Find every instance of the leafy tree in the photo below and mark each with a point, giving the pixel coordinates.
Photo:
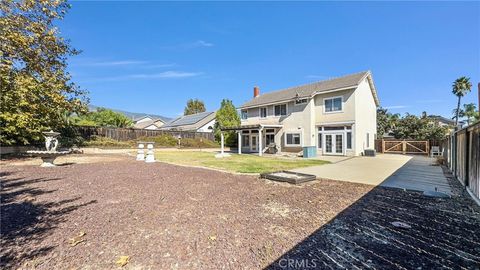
(194, 106)
(386, 121)
(227, 116)
(104, 118)
(35, 88)
(418, 128)
(470, 112)
(460, 88)
(382, 121)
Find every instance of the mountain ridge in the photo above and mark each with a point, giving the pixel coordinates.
(131, 115)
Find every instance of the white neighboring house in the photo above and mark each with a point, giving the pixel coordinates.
(337, 116)
(148, 122)
(200, 122)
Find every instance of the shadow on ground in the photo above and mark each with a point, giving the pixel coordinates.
(25, 221)
(443, 234)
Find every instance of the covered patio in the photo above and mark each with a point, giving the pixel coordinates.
(253, 138)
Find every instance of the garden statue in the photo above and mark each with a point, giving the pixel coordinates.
(51, 153)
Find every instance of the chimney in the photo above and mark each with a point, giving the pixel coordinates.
(256, 91)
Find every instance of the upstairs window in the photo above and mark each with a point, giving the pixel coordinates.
(333, 104)
(301, 101)
(244, 114)
(263, 112)
(280, 110)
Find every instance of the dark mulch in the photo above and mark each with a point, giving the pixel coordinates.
(162, 216)
(444, 234)
(166, 216)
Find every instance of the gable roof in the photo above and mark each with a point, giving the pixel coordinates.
(148, 123)
(192, 121)
(309, 90)
(154, 119)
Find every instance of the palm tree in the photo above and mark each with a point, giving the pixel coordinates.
(460, 88)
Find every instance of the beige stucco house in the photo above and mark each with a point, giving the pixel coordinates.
(337, 116)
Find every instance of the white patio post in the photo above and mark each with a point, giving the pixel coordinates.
(260, 149)
(222, 141)
(239, 142)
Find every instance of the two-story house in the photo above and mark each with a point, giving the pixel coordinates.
(337, 116)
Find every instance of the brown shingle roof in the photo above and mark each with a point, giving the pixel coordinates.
(307, 90)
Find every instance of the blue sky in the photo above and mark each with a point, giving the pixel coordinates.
(152, 56)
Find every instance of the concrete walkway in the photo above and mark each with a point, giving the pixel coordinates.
(419, 174)
(364, 170)
(398, 171)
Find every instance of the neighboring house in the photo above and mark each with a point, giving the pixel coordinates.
(442, 121)
(200, 122)
(445, 122)
(148, 122)
(337, 116)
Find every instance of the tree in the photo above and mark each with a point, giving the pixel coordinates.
(227, 116)
(194, 106)
(103, 118)
(386, 121)
(35, 88)
(470, 112)
(418, 128)
(382, 121)
(460, 88)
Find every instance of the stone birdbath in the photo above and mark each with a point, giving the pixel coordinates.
(51, 153)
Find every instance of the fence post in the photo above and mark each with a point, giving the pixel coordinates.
(466, 156)
(404, 147)
(427, 148)
(383, 146)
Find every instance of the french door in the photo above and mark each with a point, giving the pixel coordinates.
(254, 143)
(334, 144)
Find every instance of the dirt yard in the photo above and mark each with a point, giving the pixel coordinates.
(86, 216)
(161, 216)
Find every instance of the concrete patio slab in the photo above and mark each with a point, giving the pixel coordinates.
(333, 159)
(419, 174)
(364, 170)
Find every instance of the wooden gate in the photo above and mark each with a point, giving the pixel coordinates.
(405, 147)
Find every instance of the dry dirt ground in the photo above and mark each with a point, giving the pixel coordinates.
(171, 217)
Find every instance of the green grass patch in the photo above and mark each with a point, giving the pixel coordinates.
(235, 163)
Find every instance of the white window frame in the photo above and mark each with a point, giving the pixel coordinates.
(260, 112)
(332, 98)
(293, 132)
(300, 99)
(241, 114)
(286, 109)
(321, 132)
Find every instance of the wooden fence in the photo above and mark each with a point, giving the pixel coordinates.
(126, 134)
(461, 152)
(403, 146)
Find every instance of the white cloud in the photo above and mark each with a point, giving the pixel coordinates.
(116, 63)
(201, 43)
(190, 45)
(171, 74)
(167, 74)
(395, 107)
